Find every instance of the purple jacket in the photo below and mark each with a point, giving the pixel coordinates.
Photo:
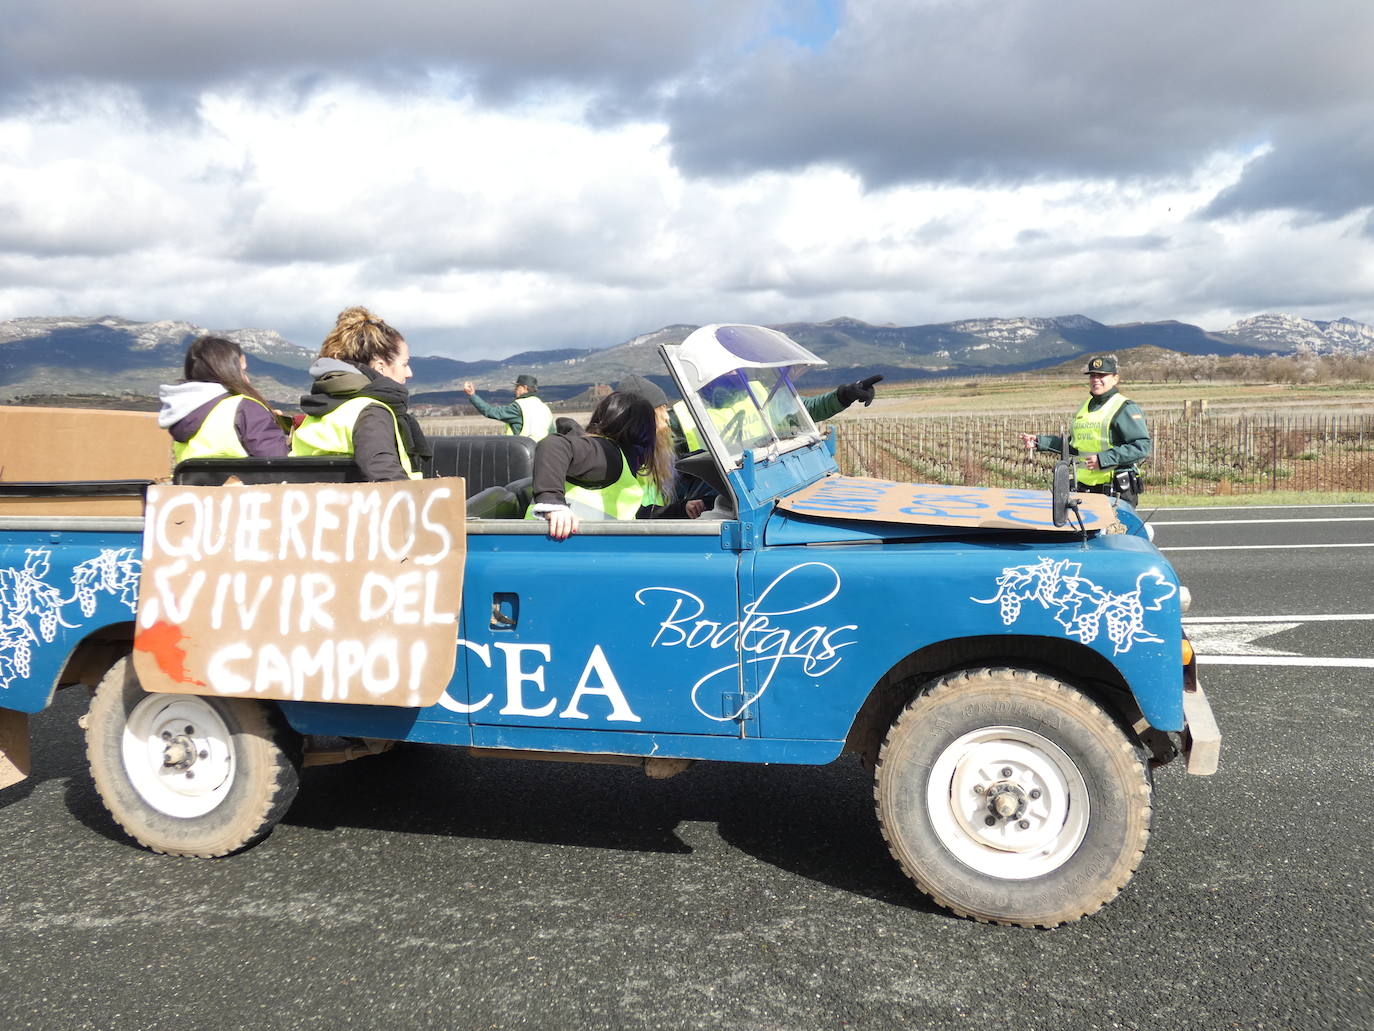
(185, 406)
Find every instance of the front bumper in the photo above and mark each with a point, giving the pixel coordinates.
(1201, 735)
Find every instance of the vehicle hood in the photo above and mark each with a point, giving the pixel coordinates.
(853, 508)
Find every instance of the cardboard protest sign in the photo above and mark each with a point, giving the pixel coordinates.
(341, 592)
(881, 501)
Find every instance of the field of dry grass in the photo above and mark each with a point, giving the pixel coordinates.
(1061, 396)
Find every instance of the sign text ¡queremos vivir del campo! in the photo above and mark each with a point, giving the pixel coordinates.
(302, 592)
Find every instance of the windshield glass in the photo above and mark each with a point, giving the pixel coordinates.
(755, 408)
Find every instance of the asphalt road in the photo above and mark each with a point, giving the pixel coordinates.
(428, 889)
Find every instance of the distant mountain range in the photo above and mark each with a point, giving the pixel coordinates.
(48, 358)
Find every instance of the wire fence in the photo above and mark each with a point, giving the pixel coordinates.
(1208, 454)
(1192, 454)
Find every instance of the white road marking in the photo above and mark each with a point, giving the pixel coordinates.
(1237, 522)
(1249, 508)
(1231, 640)
(1237, 638)
(1325, 617)
(1282, 660)
(1263, 547)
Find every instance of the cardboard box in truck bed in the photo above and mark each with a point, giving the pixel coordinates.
(76, 444)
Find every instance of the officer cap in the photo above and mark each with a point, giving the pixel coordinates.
(527, 381)
(1101, 364)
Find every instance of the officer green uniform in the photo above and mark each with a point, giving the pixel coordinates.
(1112, 427)
(687, 438)
(526, 416)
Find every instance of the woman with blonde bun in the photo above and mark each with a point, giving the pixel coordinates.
(358, 404)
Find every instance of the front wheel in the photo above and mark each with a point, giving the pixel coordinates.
(189, 775)
(1012, 798)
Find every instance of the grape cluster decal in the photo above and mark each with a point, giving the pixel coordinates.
(1080, 606)
(32, 609)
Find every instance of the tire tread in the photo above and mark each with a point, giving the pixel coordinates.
(1139, 791)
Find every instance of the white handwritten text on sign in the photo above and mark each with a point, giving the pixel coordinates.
(302, 592)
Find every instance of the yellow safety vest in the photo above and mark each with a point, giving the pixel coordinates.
(332, 433)
(536, 416)
(690, 434)
(217, 436)
(738, 421)
(1092, 434)
(621, 500)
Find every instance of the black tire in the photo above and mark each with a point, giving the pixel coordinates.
(1067, 792)
(187, 775)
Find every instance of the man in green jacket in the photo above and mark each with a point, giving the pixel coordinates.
(526, 416)
(1109, 435)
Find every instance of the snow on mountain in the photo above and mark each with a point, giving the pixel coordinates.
(1289, 333)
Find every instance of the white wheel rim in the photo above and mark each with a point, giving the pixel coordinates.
(1008, 802)
(178, 754)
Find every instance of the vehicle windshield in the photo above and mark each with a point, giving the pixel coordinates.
(756, 409)
(738, 381)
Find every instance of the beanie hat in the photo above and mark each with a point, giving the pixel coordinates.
(633, 384)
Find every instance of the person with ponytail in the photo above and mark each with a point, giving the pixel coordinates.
(609, 471)
(215, 412)
(359, 405)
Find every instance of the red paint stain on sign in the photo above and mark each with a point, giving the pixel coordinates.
(163, 642)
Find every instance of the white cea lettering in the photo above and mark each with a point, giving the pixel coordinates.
(521, 677)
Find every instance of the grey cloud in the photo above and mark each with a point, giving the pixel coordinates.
(1323, 168)
(995, 92)
(158, 45)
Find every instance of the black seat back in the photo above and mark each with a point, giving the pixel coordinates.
(483, 461)
(211, 472)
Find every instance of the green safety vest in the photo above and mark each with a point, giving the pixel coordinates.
(621, 500)
(1092, 434)
(217, 436)
(332, 433)
(537, 419)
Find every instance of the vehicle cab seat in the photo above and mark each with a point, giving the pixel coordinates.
(482, 461)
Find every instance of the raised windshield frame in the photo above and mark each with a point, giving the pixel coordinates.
(738, 383)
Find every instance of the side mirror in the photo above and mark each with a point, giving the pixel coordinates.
(1059, 493)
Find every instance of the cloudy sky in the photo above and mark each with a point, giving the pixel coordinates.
(493, 177)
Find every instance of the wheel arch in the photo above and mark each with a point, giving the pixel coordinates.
(95, 655)
(1065, 660)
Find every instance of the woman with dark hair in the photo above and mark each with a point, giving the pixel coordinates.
(606, 472)
(359, 405)
(215, 412)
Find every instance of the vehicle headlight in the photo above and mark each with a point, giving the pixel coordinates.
(1149, 533)
(1185, 598)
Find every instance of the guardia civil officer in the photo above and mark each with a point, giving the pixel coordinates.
(526, 416)
(1109, 435)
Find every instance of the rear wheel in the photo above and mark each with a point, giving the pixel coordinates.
(1012, 798)
(189, 775)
